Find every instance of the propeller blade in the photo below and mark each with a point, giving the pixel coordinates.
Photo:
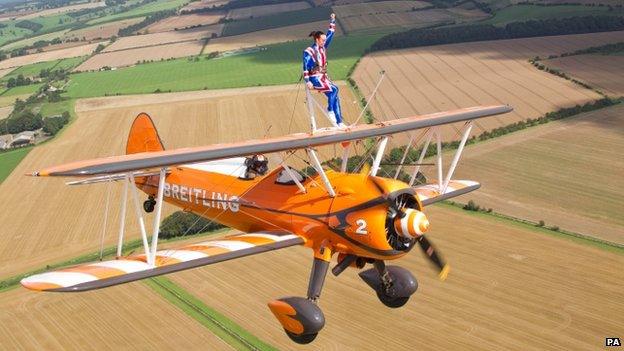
(430, 251)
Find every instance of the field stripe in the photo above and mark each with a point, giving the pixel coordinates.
(217, 323)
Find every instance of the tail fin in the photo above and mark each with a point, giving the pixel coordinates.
(143, 136)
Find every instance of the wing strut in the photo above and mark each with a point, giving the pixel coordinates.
(321, 172)
(380, 151)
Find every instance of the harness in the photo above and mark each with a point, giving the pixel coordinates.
(318, 67)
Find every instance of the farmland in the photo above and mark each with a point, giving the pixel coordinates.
(264, 10)
(509, 285)
(49, 56)
(35, 68)
(185, 21)
(100, 130)
(196, 5)
(534, 12)
(397, 20)
(460, 75)
(369, 8)
(137, 41)
(572, 159)
(133, 56)
(277, 20)
(101, 31)
(30, 41)
(265, 37)
(10, 159)
(603, 72)
(279, 64)
(144, 10)
(64, 9)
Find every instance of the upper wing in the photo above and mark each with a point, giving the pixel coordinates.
(430, 193)
(150, 160)
(126, 269)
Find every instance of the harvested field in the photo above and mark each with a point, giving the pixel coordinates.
(603, 72)
(263, 10)
(185, 21)
(60, 46)
(265, 37)
(10, 100)
(565, 173)
(132, 56)
(49, 56)
(147, 40)
(371, 8)
(102, 31)
(400, 19)
(183, 119)
(64, 9)
(5, 71)
(123, 317)
(5, 111)
(446, 77)
(202, 4)
(508, 285)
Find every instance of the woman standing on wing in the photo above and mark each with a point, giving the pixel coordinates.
(315, 71)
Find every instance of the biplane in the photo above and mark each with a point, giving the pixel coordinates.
(361, 218)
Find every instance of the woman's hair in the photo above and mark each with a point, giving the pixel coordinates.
(316, 34)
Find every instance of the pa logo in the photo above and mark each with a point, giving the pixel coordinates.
(613, 342)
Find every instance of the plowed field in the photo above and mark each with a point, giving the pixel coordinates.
(445, 77)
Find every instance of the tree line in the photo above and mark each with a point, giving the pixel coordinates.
(481, 32)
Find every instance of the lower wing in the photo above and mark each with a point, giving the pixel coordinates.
(126, 269)
(431, 193)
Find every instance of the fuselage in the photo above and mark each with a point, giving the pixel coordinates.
(352, 222)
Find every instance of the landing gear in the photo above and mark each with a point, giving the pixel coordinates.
(149, 204)
(394, 285)
(301, 318)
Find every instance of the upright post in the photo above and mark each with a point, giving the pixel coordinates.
(380, 151)
(449, 174)
(122, 216)
(159, 203)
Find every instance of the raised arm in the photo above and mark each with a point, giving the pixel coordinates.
(330, 31)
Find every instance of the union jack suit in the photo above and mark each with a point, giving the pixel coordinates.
(315, 71)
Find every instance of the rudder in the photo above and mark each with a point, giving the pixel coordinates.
(143, 136)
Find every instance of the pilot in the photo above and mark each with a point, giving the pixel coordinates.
(315, 72)
(256, 165)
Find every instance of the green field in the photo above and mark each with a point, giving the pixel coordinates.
(25, 89)
(10, 159)
(48, 109)
(12, 33)
(278, 64)
(278, 20)
(30, 41)
(519, 13)
(147, 9)
(35, 68)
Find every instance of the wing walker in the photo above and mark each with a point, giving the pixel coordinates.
(362, 219)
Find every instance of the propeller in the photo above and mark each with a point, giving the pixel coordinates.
(411, 224)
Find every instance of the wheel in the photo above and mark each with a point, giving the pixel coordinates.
(301, 339)
(148, 206)
(390, 301)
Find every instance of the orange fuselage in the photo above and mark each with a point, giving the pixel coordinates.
(353, 222)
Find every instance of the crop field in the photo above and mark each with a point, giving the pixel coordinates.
(183, 119)
(14, 92)
(10, 159)
(185, 21)
(508, 285)
(145, 10)
(265, 37)
(277, 64)
(534, 12)
(49, 56)
(452, 76)
(125, 317)
(370, 8)
(30, 41)
(603, 72)
(5, 111)
(5, 71)
(36, 68)
(397, 20)
(277, 20)
(11, 32)
(564, 173)
(145, 40)
(9, 100)
(263, 10)
(196, 5)
(64, 9)
(102, 31)
(132, 56)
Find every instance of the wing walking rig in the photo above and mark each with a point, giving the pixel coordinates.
(361, 218)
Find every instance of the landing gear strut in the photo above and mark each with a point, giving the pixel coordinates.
(301, 318)
(394, 285)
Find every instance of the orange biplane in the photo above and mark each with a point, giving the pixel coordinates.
(362, 218)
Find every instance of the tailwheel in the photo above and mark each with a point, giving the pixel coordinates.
(301, 339)
(149, 204)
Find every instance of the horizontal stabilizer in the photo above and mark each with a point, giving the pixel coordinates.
(430, 193)
(159, 159)
(126, 269)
